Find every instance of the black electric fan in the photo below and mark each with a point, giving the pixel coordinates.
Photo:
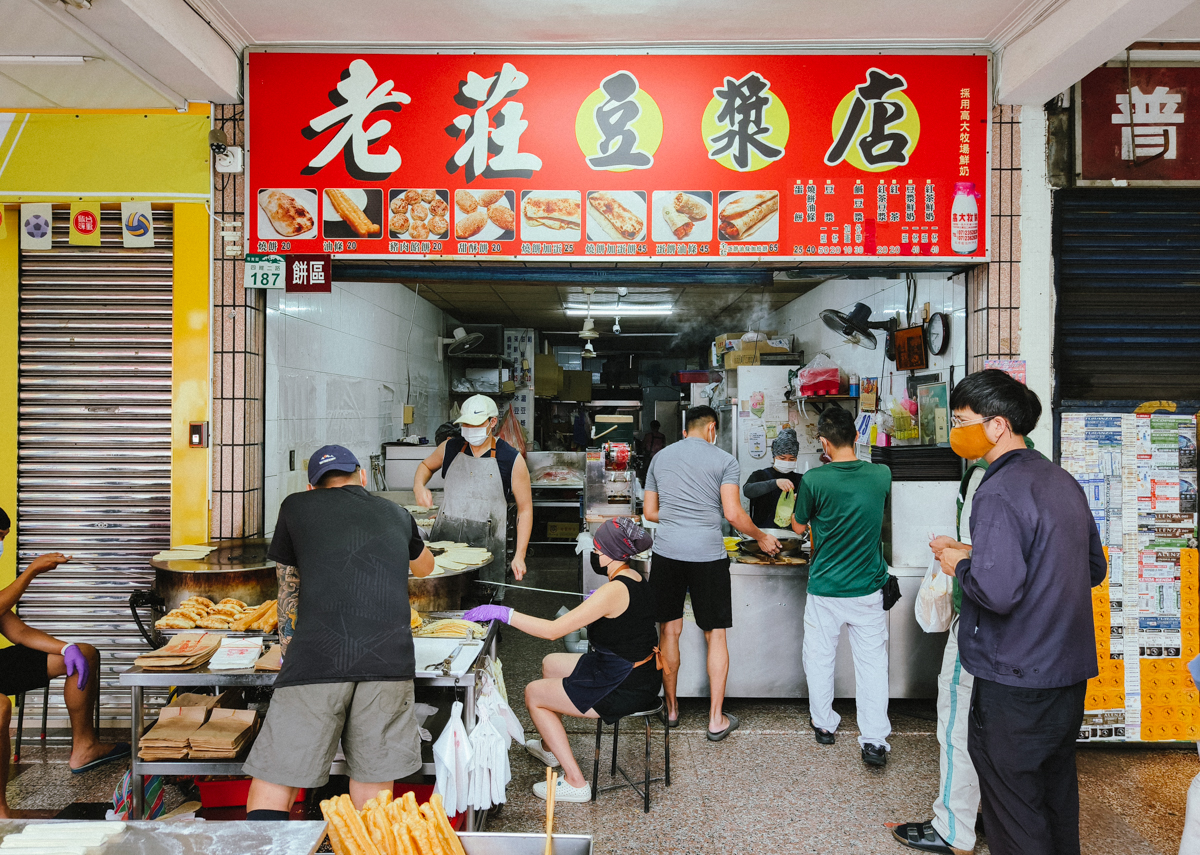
(856, 326)
(463, 342)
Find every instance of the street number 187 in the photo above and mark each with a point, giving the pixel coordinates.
(264, 280)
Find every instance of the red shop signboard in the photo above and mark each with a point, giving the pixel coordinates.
(629, 158)
(1152, 143)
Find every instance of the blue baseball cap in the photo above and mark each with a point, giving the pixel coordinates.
(330, 458)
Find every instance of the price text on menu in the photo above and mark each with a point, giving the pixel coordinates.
(696, 158)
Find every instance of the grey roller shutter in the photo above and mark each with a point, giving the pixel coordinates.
(94, 441)
(1127, 271)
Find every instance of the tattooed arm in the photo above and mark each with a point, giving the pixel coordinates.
(289, 599)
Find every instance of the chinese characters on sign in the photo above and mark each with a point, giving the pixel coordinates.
(743, 114)
(311, 273)
(871, 131)
(614, 118)
(360, 94)
(1150, 131)
(487, 150)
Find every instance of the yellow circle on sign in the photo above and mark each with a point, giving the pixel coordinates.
(910, 126)
(774, 117)
(648, 126)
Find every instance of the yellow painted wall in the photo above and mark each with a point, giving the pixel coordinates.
(190, 388)
(8, 390)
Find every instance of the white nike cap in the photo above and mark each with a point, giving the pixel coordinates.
(476, 410)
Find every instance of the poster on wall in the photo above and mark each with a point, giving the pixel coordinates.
(746, 157)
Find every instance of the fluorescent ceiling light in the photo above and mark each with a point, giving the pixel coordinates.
(626, 311)
(44, 59)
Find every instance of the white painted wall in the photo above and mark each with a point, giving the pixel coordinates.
(1037, 270)
(336, 373)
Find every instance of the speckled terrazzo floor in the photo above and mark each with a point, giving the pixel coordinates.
(769, 788)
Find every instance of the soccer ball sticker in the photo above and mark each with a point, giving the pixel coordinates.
(37, 226)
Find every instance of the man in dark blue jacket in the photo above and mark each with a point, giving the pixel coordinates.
(1026, 630)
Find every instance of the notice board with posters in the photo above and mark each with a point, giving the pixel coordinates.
(576, 157)
(1139, 473)
(1152, 142)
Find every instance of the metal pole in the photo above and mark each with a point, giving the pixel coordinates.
(135, 778)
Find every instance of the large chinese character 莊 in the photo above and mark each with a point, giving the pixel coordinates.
(614, 117)
(489, 151)
(358, 94)
(879, 144)
(743, 107)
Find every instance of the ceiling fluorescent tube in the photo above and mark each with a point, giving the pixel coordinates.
(43, 59)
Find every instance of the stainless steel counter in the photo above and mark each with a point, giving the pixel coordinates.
(196, 837)
(767, 637)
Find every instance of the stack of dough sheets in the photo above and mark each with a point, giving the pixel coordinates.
(63, 838)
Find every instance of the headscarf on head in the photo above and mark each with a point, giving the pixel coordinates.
(620, 538)
(785, 443)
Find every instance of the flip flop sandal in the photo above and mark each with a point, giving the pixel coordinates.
(733, 725)
(669, 722)
(119, 751)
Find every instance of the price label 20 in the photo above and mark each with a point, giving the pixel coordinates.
(265, 271)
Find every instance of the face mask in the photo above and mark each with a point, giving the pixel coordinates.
(475, 435)
(785, 465)
(1, 547)
(596, 565)
(970, 441)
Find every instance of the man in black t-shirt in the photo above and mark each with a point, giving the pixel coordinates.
(348, 663)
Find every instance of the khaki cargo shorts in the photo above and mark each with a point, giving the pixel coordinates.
(375, 722)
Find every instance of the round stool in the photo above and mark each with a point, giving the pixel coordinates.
(644, 789)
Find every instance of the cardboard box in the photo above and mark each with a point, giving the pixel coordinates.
(733, 341)
(576, 386)
(566, 531)
(739, 358)
(547, 375)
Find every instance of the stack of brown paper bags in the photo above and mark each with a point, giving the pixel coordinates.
(184, 652)
(168, 740)
(272, 660)
(223, 738)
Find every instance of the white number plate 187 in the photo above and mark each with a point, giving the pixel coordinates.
(265, 271)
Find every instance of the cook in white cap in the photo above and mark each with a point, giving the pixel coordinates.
(483, 475)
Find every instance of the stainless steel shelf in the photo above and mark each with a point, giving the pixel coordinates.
(538, 504)
(552, 543)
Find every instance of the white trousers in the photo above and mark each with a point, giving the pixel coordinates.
(866, 622)
(1189, 844)
(957, 800)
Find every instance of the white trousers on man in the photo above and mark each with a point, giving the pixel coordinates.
(957, 802)
(866, 624)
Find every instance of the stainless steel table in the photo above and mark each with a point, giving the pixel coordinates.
(192, 837)
(138, 679)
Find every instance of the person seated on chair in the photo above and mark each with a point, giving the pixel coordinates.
(34, 659)
(618, 676)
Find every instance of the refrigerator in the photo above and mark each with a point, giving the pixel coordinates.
(758, 410)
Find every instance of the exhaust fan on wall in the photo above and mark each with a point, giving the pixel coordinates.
(856, 326)
(462, 342)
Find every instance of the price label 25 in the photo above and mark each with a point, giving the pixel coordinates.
(265, 271)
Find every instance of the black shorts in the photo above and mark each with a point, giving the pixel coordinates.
(706, 581)
(22, 669)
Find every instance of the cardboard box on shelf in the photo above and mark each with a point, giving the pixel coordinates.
(740, 358)
(547, 375)
(733, 341)
(576, 386)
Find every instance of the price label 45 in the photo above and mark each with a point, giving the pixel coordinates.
(265, 271)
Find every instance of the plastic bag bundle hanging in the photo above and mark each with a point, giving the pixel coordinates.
(495, 728)
(452, 762)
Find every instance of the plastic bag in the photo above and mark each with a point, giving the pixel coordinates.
(512, 432)
(821, 376)
(935, 599)
(452, 763)
(784, 508)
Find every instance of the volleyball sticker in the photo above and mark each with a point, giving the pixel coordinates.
(137, 225)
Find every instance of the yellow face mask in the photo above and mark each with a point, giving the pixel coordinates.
(970, 441)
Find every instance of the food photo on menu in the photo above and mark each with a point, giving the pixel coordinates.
(352, 212)
(682, 215)
(550, 215)
(616, 215)
(745, 214)
(485, 215)
(418, 214)
(287, 213)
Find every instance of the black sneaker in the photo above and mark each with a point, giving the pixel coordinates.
(824, 737)
(874, 755)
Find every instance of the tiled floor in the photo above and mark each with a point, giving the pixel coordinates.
(768, 788)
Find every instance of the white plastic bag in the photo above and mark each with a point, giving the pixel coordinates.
(935, 599)
(452, 762)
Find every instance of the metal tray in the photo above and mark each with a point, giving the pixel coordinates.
(495, 843)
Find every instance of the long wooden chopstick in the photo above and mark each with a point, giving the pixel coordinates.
(551, 785)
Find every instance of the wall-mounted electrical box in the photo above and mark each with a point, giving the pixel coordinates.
(198, 435)
(408, 414)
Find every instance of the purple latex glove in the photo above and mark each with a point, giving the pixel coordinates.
(76, 662)
(479, 614)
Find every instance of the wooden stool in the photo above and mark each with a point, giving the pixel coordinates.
(644, 790)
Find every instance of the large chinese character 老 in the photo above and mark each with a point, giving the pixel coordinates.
(880, 144)
(358, 94)
(1153, 119)
(489, 151)
(613, 117)
(743, 112)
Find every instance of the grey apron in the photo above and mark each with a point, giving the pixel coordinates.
(475, 511)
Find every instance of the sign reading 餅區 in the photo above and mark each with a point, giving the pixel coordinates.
(1155, 141)
(622, 157)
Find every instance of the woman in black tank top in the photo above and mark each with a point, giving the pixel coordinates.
(618, 676)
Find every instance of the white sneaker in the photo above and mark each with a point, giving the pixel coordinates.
(534, 747)
(564, 792)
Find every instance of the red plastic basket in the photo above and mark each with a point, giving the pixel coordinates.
(228, 792)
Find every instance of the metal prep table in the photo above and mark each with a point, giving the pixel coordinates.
(191, 837)
(767, 637)
(138, 680)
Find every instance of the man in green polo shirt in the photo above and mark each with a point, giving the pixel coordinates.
(842, 502)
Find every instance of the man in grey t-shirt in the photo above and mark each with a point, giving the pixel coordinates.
(691, 486)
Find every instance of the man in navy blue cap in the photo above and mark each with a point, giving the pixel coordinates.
(348, 662)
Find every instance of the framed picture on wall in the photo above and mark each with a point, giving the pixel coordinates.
(911, 354)
(933, 413)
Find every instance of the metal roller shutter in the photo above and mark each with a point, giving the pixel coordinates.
(94, 441)
(1127, 270)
